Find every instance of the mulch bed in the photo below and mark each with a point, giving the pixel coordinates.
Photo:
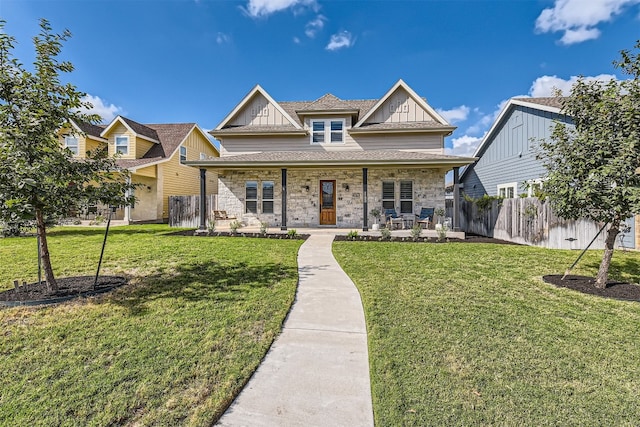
(587, 285)
(280, 236)
(68, 288)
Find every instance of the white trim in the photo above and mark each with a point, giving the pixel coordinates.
(126, 125)
(416, 98)
(327, 132)
(506, 187)
(247, 98)
(76, 147)
(115, 144)
(180, 148)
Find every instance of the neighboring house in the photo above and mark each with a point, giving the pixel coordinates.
(154, 154)
(329, 162)
(507, 164)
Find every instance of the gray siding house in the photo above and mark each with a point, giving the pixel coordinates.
(329, 162)
(507, 164)
(507, 154)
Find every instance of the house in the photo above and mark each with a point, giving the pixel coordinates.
(507, 165)
(329, 162)
(155, 154)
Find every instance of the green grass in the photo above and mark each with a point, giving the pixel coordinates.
(468, 334)
(171, 348)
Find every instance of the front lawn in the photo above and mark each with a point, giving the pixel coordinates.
(171, 348)
(468, 334)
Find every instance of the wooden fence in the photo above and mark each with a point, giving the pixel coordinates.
(184, 211)
(529, 221)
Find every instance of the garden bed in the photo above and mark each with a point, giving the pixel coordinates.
(587, 285)
(279, 236)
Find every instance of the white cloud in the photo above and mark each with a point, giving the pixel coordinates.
(296, 40)
(546, 85)
(222, 38)
(464, 146)
(486, 120)
(313, 27)
(578, 19)
(341, 40)
(264, 8)
(458, 114)
(106, 111)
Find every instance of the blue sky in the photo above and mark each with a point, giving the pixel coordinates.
(166, 61)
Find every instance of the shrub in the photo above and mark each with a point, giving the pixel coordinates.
(292, 233)
(385, 233)
(442, 232)
(234, 226)
(211, 226)
(416, 230)
(264, 228)
(352, 235)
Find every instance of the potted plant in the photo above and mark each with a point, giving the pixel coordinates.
(375, 213)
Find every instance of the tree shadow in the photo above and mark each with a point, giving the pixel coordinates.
(203, 281)
(99, 231)
(620, 266)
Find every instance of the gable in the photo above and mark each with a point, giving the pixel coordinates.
(400, 107)
(259, 111)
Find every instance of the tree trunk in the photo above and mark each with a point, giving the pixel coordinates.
(52, 285)
(603, 271)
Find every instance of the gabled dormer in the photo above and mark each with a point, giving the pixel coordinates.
(258, 113)
(402, 110)
(129, 139)
(81, 137)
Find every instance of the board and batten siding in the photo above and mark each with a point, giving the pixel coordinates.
(400, 107)
(259, 112)
(510, 155)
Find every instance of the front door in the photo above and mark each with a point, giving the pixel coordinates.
(328, 202)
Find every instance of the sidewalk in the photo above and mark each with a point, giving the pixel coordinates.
(317, 371)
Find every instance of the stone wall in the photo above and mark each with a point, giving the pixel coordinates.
(303, 193)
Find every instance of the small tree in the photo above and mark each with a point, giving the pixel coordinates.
(40, 180)
(593, 165)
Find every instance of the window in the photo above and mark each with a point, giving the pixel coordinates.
(71, 142)
(507, 191)
(317, 134)
(251, 197)
(388, 195)
(534, 187)
(183, 154)
(122, 144)
(267, 197)
(406, 197)
(331, 131)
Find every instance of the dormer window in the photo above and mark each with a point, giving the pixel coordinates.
(71, 142)
(122, 144)
(327, 131)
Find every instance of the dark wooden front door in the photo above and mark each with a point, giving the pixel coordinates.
(328, 202)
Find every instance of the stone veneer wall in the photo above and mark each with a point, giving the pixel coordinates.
(303, 204)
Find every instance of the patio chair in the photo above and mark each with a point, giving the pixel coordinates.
(425, 218)
(392, 219)
(222, 215)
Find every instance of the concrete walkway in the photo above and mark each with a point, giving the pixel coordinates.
(317, 371)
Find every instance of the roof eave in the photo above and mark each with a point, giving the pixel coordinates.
(462, 161)
(326, 112)
(259, 133)
(445, 130)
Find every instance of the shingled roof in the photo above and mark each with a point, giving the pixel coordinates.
(555, 102)
(140, 129)
(330, 158)
(90, 129)
(170, 135)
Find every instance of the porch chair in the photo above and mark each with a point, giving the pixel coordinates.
(391, 218)
(425, 218)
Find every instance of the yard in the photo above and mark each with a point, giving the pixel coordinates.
(171, 348)
(468, 334)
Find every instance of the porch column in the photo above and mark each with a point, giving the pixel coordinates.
(284, 199)
(456, 199)
(365, 201)
(203, 199)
